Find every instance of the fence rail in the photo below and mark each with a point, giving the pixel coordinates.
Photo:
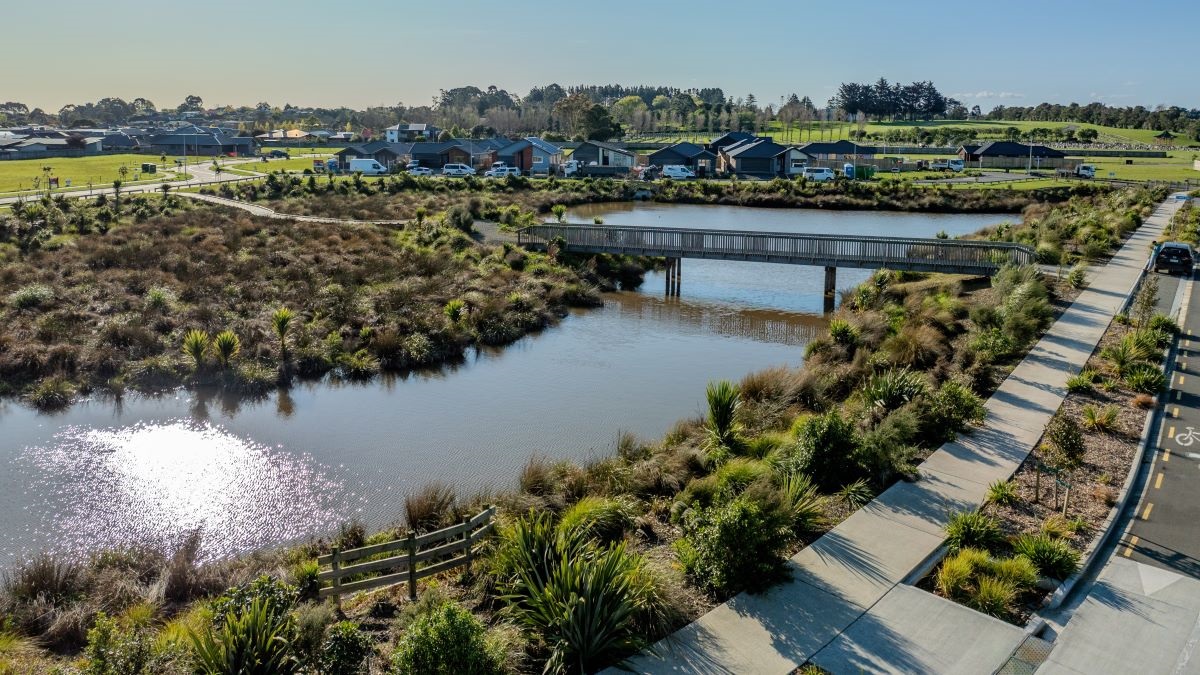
(927, 255)
(405, 567)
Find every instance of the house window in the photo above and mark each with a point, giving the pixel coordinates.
(539, 160)
(798, 164)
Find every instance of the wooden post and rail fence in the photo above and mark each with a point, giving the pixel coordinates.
(416, 556)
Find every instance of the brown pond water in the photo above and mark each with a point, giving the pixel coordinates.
(252, 473)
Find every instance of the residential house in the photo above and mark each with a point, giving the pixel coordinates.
(342, 137)
(1013, 155)
(206, 141)
(532, 156)
(409, 133)
(761, 157)
(278, 136)
(600, 153)
(387, 154)
(839, 150)
(727, 140)
(695, 157)
(38, 147)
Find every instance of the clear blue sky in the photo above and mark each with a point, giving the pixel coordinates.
(1019, 52)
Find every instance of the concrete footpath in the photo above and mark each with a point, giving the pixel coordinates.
(846, 607)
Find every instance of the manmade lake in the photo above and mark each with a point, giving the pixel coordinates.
(251, 474)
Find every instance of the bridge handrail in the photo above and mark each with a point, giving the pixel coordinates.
(530, 230)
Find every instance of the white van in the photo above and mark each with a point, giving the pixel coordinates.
(459, 170)
(677, 172)
(818, 174)
(368, 167)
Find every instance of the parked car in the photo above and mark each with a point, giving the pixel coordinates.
(459, 170)
(818, 174)
(502, 171)
(368, 167)
(413, 164)
(1174, 256)
(278, 153)
(420, 171)
(677, 172)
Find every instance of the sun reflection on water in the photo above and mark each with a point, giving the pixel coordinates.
(152, 483)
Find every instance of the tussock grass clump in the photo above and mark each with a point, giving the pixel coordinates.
(973, 529)
(431, 507)
(1053, 558)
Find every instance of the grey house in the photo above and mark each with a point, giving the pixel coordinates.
(599, 153)
(698, 159)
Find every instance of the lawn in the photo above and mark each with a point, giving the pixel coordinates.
(1176, 167)
(20, 174)
(987, 129)
(290, 164)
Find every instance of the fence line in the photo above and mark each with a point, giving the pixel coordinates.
(432, 548)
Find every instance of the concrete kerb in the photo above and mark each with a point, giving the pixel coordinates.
(1091, 554)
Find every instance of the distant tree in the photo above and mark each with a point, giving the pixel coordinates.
(1087, 135)
(445, 136)
(192, 102)
(599, 125)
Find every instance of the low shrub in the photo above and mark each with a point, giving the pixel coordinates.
(1002, 492)
(1053, 558)
(951, 410)
(1083, 382)
(825, 448)
(344, 650)
(1065, 441)
(892, 389)
(31, 296)
(842, 332)
(1145, 378)
(601, 518)
(113, 650)
(1077, 277)
(973, 529)
(804, 504)
(255, 638)
(52, 393)
(1100, 419)
(1017, 570)
(276, 597)
(447, 640)
(992, 596)
(856, 494)
(724, 399)
(735, 546)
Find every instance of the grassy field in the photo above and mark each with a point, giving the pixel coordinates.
(291, 164)
(101, 170)
(1178, 166)
(987, 130)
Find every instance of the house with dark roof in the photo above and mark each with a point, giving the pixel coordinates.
(1013, 155)
(532, 156)
(402, 133)
(207, 141)
(714, 146)
(387, 154)
(599, 153)
(762, 158)
(838, 150)
(699, 159)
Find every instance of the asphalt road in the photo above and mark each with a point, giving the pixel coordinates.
(1165, 532)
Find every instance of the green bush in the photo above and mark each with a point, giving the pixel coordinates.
(1083, 381)
(1077, 277)
(305, 575)
(804, 504)
(252, 639)
(112, 650)
(1065, 441)
(1053, 558)
(31, 296)
(992, 596)
(1162, 322)
(951, 410)
(1017, 570)
(892, 389)
(826, 446)
(276, 596)
(843, 333)
(1145, 378)
(724, 399)
(735, 546)
(447, 641)
(344, 651)
(601, 518)
(973, 529)
(954, 576)
(1002, 492)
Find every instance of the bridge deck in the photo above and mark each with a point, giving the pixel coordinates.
(898, 253)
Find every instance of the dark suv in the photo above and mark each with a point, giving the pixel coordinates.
(1174, 256)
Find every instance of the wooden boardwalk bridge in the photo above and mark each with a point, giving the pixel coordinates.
(830, 251)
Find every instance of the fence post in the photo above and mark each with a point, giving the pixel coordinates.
(337, 580)
(467, 539)
(412, 565)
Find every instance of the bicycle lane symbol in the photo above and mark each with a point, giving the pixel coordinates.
(1185, 440)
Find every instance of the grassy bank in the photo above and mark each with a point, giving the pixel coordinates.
(169, 293)
(651, 536)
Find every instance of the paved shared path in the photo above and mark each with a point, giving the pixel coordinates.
(847, 607)
(1141, 613)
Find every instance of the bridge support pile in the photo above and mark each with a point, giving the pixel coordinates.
(674, 276)
(830, 287)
